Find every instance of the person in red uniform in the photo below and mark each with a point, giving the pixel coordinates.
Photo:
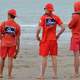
(48, 44)
(74, 25)
(10, 40)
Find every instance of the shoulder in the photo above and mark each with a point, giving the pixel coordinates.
(18, 25)
(56, 17)
(2, 23)
(43, 17)
(75, 16)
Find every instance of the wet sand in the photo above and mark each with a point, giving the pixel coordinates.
(27, 64)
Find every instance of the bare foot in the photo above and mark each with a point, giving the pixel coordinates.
(75, 76)
(1, 76)
(54, 77)
(41, 78)
(10, 77)
(1, 79)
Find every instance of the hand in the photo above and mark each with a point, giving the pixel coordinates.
(17, 51)
(15, 56)
(38, 38)
(57, 37)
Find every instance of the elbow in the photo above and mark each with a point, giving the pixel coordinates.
(70, 26)
(63, 29)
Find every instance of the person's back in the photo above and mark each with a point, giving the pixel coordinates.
(48, 44)
(49, 26)
(10, 41)
(10, 31)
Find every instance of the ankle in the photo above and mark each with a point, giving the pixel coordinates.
(1, 73)
(42, 76)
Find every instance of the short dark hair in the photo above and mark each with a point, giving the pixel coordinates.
(12, 16)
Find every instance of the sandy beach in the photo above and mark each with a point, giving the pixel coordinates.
(27, 64)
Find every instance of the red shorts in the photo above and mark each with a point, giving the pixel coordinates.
(7, 51)
(75, 44)
(48, 48)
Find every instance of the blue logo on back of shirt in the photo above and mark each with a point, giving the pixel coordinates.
(50, 22)
(10, 30)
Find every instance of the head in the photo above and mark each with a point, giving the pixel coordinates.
(49, 8)
(12, 14)
(77, 6)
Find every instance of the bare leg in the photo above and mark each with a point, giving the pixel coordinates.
(10, 66)
(43, 67)
(79, 57)
(2, 61)
(76, 63)
(54, 66)
(1, 79)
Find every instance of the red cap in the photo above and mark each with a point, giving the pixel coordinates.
(49, 6)
(12, 12)
(77, 6)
